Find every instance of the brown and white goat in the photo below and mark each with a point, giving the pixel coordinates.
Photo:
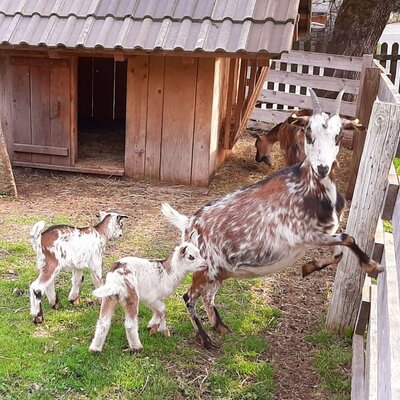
(61, 247)
(290, 135)
(135, 279)
(262, 228)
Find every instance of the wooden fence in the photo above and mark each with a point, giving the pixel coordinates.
(376, 341)
(389, 57)
(288, 79)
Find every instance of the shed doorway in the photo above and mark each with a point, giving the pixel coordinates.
(101, 114)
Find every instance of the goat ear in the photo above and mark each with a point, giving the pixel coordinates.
(298, 121)
(182, 251)
(121, 217)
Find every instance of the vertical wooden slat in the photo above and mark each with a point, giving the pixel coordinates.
(305, 68)
(178, 119)
(232, 85)
(136, 115)
(371, 361)
(357, 368)
(384, 51)
(5, 103)
(21, 109)
(74, 92)
(40, 111)
(366, 98)
(393, 62)
(281, 86)
(202, 123)
(155, 116)
(60, 117)
(241, 94)
(103, 88)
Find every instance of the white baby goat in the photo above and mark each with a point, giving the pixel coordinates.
(135, 279)
(63, 247)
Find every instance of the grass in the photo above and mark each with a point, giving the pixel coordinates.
(333, 361)
(52, 361)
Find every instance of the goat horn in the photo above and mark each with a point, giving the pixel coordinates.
(315, 102)
(338, 101)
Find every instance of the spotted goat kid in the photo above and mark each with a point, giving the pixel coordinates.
(260, 229)
(135, 279)
(63, 247)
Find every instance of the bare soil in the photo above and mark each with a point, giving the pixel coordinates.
(302, 301)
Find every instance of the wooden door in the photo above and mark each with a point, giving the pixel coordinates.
(41, 110)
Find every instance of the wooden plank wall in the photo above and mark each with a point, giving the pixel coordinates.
(175, 110)
(5, 102)
(287, 81)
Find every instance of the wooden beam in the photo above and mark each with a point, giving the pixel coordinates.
(37, 149)
(368, 92)
(382, 139)
(363, 314)
(98, 170)
(357, 368)
(391, 194)
(252, 102)
(232, 83)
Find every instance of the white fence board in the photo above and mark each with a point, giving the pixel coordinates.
(323, 60)
(303, 101)
(314, 81)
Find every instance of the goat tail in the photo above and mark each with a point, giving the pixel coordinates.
(174, 217)
(34, 234)
(111, 287)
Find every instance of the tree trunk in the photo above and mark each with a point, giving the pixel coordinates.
(358, 26)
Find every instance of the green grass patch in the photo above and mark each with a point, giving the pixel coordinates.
(396, 162)
(52, 360)
(333, 361)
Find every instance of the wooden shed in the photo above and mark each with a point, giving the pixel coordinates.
(143, 88)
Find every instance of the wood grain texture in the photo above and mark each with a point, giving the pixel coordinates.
(202, 122)
(178, 119)
(357, 368)
(381, 142)
(21, 109)
(155, 116)
(136, 115)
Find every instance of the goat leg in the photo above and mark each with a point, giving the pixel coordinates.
(317, 265)
(371, 267)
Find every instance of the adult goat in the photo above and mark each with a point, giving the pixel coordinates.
(262, 228)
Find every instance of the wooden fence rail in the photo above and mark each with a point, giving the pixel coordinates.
(289, 77)
(376, 355)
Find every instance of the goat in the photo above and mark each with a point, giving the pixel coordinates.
(62, 247)
(290, 138)
(135, 279)
(290, 135)
(262, 228)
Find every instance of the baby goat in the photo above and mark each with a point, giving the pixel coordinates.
(135, 279)
(62, 247)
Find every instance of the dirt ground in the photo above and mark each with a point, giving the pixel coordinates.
(301, 301)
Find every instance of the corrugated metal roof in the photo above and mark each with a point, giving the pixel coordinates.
(190, 25)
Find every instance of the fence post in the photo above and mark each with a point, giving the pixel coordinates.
(369, 84)
(381, 142)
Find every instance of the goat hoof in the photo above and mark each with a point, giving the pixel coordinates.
(372, 268)
(206, 342)
(76, 301)
(166, 332)
(306, 269)
(56, 306)
(135, 349)
(153, 329)
(38, 320)
(94, 350)
(222, 329)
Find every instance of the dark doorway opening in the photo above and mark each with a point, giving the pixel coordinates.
(101, 112)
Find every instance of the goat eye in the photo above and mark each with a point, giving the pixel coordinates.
(191, 258)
